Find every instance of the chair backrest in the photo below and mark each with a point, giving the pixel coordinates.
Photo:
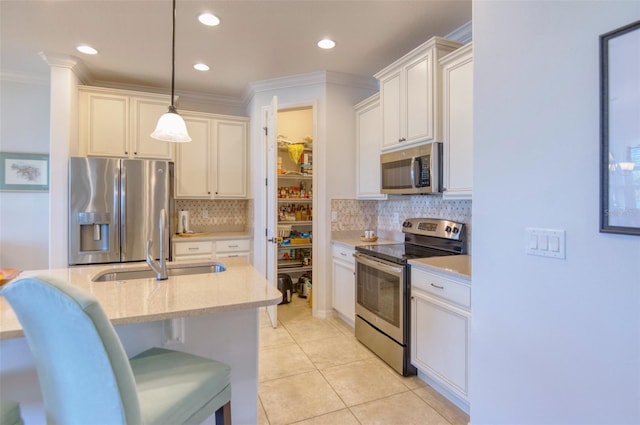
(85, 375)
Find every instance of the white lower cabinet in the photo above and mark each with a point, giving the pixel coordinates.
(234, 248)
(440, 330)
(210, 249)
(344, 283)
(193, 250)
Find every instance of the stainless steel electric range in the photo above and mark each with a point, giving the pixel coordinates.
(383, 286)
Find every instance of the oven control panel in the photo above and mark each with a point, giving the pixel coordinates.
(433, 227)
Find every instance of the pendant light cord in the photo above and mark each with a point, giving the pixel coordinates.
(173, 57)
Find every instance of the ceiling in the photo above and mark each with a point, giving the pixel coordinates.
(256, 40)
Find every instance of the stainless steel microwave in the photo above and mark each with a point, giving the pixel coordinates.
(410, 171)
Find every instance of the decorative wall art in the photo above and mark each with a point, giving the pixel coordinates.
(620, 130)
(24, 171)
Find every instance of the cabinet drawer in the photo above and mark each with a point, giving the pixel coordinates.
(193, 248)
(343, 253)
(236, 245)
(442, 287)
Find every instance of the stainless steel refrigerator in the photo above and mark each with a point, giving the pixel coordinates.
(114, 208)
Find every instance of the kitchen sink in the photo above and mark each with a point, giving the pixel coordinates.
(146, 273)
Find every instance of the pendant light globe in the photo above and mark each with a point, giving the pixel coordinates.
(171, 127)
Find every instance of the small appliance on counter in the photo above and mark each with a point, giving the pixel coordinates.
(183, 221)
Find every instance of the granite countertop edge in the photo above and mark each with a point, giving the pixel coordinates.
(125, 302)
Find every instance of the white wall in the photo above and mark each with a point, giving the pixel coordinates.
(24, 216)
(553, 341)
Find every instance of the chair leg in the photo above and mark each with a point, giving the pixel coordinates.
(223, 414)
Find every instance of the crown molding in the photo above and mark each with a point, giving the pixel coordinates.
(66, 61)
(184, 95)
(463, 34)
(308, 79)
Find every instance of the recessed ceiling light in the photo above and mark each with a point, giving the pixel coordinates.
(87, 50)
(326, 44)
(201, 67)
(209, 19)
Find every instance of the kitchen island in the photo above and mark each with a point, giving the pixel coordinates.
(214, 315)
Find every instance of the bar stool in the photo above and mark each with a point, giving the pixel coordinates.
(10, 413)
(85, 376)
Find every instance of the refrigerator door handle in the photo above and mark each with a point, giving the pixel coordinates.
(123, 213)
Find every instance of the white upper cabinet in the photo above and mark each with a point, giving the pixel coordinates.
(457, 108)
(193, 160)
(117, 123)
(213, 164)
(230, 158)
(410, 95)
(368, 145)
(145, 115)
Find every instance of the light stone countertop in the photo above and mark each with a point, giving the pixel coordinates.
(209, 236)
(351, 240)
(453, 265)
(241, 286)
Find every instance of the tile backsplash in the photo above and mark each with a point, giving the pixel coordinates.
(216, 215)
(386, 216)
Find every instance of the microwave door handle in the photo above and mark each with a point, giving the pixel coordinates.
(416, 167)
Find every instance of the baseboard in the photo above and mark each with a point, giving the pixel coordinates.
(446, 393)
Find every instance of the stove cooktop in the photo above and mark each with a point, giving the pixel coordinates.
(424, 237)
(401, 253)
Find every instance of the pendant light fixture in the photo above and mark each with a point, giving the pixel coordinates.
(171, 127)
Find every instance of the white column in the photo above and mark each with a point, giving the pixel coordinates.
(63, 142)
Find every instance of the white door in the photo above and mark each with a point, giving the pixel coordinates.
(270, 128)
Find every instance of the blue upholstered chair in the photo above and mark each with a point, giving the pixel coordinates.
(84, 373)
(10, 413)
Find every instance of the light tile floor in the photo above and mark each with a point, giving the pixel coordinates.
(314, 372)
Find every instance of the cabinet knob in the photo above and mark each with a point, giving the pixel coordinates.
(126, 153)
(135, 153)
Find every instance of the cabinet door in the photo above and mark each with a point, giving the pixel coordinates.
(440, 342)
(458, 127)
(419, 100)
(344, 299)
(144, 118)
(107, 125)
(230, 159)
(192, 170)
(369, 143)
(390, 90)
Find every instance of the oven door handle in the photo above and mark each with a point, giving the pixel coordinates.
(378, 264)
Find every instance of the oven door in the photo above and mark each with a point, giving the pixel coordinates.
(380, 295)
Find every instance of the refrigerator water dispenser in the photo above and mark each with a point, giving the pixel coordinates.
(94, 231)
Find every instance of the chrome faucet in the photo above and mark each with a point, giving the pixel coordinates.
(160, 268)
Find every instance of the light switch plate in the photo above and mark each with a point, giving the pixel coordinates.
(545, 242)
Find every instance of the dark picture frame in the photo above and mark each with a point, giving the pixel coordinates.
(620, 130)
(24, 172)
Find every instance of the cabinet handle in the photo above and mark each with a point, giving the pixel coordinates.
(402, 139)
(232, 246)
(343, 254)
(194, 249)
(437, 286)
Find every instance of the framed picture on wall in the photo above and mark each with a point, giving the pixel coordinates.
(24, 171)
(620, 130)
